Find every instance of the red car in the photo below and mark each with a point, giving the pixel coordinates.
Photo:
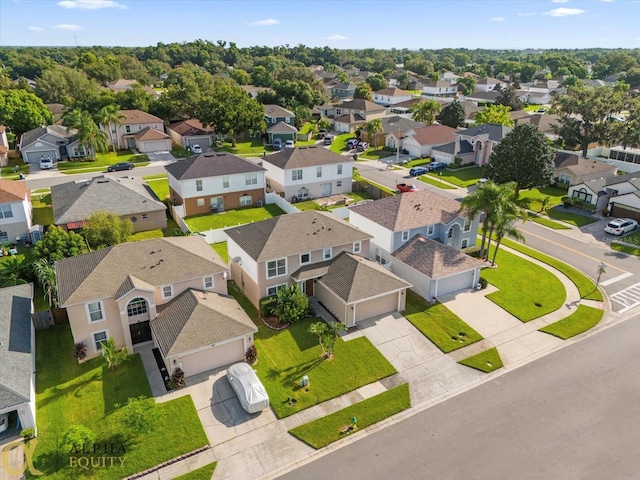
(406, 187)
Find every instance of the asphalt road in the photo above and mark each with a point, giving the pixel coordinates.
(570, 415)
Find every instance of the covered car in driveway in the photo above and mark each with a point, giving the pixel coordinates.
(250, 391)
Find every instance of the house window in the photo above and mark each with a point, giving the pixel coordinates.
(379, 258)
(95, 311)
(465, 243)
(267, 183)
(200, 202)
(326, 254)
(208, 282)
(273, 120)
(339, 169)
(318, 172)
(275, 268)
(4, 237)
(339, 183)
(167, 291)
(137, 306)
(467, 224)
(405, 235)
(303, 192)
(338, 111)
(450, 233)
(287, 120)
(5, 211)
(251, 179)
(296, 174)
(98, 339)
(274, 290)
(78, 151)
(357, 247)
(430, 230)
(134, 219)
(225, 182)
(245, 200)
(305, 258)
(127, 128)
(144, 216)
(566, 179)
(198, 185)
(139, 127)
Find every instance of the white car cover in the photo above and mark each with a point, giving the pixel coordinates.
(251, 393)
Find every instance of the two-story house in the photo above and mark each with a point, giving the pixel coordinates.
(320, 253)
(139, 130)
(281, 123)
(390, 96)
(15, 210)
(343, 91)
(487, 84)
(620, 191)
(308, 172)
(56, 141)
(419, 141)
(74, 202)
(215, 182)
(350, 116)
(473, 145)
(393, 221)
(439, 89)
(571, 168)
(168, 291)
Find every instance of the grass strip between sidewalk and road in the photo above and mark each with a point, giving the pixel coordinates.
(202, 473)
(578, 322)
(329, 429)
(435, 183)
(543, 220)
(486, 361)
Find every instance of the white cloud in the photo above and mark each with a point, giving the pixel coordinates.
(527, 14)
(497, 19)
(337, 36)
(90, 4)
(265, 22)
(560, 1)
(564, 12)
(35, 29)
(607, 1)
(67, 26)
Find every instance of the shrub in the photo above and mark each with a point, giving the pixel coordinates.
(138, 415)
(266, 305)
(290, 304)
(473, 251)
(79, 351)
(251, 357)
(76, 436)
(483, 282)
(177, 378)
(27, 434)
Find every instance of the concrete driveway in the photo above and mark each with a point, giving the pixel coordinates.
(161, 156)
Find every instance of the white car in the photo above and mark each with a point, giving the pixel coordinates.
(46, 162)
(4, 422)
(196, 148)
(289, 144)
(251, 393)
(620, 226)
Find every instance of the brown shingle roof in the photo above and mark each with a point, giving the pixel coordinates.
(158, 261)
(277, 111)
(190, 127)
(150, 134)
(579, 165)
(12, 191)
(210, 165)
(282, 127)
(434, 135)
(197, 319)
(305, 157)
(294, 233)
(138, 116)
(412, 210)
(434, 259)
(362, 105)
(392, 92)
(350, 119)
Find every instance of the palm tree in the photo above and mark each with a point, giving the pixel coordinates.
(111, 355)
(425, 111)
(374, 127)
(88, 133)
(327, 335)
(545, 203)
(505, 226)
(111, 116)
(46, 276)
(13, 271)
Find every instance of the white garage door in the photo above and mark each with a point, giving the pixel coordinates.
(154, 146)
(377, 306)
(414, 150)
(455, 283)
(202, 141)
(213, 357)
(34, 157)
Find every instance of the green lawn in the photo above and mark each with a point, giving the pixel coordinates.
(102, 161)
(42, 211)
(439, 324)
(68, 393)
(462, 177)
(287, 355)
(618, 247)
(339, 144)
(417, 162)
(579, 321)
(222, 250)
(170, 231)
(543, 220)
(179, 152)
(527, 291)
(531, 198)
(158, 176)
(230, 218)
(486, 361)
(245, 146)
(160, 187)
(633, 238)
(326, 430)
(202, 473)
(586, 287)
(8, 173)
(372, 154)
(575, 219)
(312, 205)
(435, 182)
(381, 187)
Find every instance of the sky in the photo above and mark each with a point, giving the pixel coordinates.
(428, 24)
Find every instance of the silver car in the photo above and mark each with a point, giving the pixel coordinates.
(620, 226)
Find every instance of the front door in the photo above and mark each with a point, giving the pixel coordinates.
(326, 189)
(140, 332)
(308, 288)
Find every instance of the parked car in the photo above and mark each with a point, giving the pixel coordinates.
(542, 110)
(321, 133)
(620, 226)
(46, 162)
(196, 148)
(406, 187)
(416, 171)
(289, 144)
(362, 146)
(433, 166)
(352, 143)
(116, 167)
(481, 182)
(251, 393)
(4, 422)
(328, 139)
(277, 144)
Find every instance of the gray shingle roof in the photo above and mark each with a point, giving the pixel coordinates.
(76, 201)
(462, 146)
(305, 157)
(354, 278)
(494, 132)
(277, 111)
(411, 210)
(362, 105)
(56, 130)
(295, 233)
(15, 345)
(197, 319)
(159, 261)
(210, 165)
(282, 127)
(434, 259)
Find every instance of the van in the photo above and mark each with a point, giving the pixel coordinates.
(328, 139)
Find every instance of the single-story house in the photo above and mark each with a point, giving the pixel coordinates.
(599, 192)
(283, 131)
(191, 132)
(56, 141)
(571, 168)
(419, 141)
(625, 206)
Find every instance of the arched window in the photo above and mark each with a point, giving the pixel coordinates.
(137, 306)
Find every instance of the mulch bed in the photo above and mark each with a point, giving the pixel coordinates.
(273, 323)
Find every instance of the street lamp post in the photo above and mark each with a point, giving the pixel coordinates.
(602, 268)
(397, 143)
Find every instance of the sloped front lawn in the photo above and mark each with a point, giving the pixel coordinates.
(231, 218)
(68, 393)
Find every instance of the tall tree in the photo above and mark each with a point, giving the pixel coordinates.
(468, 84)
(13, 271)
(105, 229)
(373, 128)
(524, 156)
(89, 134)
(23, 111)
(452, 115)
(57, 244)
(46, 275)
(425, 111)
(378, 82)
(110, 116)
(505, 226)
(363, 90)
(496, 114)
(508, 98)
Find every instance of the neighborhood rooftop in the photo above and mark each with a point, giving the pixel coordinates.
(300, 157)
(210, 165)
